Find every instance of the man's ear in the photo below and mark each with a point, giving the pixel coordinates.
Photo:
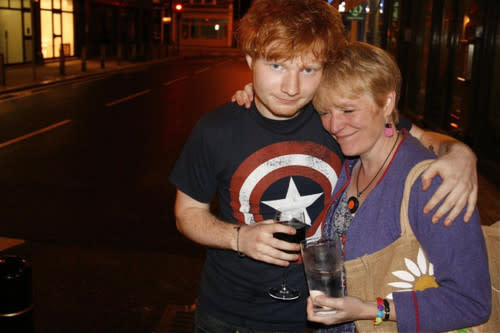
(249, 60)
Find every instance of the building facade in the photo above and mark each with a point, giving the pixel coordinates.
(205, 23)
(36, 29)
(449, 55)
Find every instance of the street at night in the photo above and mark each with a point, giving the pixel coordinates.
(84, 181)
(98, 98)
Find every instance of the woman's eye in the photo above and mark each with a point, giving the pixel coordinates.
(276, 66)
(348, 110)
(309, 70)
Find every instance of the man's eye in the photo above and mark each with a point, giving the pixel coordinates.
(348, 110)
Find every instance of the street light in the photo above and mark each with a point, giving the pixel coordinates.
(178, 10)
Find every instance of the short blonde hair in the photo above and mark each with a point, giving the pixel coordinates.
(284, 29)
(364, 69)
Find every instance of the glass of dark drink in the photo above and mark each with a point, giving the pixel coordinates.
(295, 219)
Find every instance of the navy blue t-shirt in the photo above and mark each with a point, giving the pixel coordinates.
(256, 166)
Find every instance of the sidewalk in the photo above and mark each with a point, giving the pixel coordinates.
(20, 77)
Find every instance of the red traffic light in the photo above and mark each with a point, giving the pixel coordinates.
(178, 7)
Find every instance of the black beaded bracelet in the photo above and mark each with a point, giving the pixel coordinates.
(387, 310)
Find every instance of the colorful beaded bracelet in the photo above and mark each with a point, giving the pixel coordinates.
(383, 312)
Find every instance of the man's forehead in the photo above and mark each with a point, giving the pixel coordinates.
(303, 60)
(279, 52)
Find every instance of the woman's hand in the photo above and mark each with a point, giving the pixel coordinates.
(346, 309)
(244, 97)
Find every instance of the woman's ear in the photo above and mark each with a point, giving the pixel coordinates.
(390, 103)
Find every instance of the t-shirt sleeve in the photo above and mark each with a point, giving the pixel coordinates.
(460, 268)
(193, 172)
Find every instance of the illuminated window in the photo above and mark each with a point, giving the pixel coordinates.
(57, 25)
(15, 3)
(46, 4)
(67, 5)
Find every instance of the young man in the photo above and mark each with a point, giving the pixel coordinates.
(272, 157)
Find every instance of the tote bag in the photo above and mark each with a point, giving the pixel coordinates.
(376, 275)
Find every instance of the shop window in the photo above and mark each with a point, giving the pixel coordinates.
(46, 4)
(68, 35)
(47, 35)
(4, 3)
(57, 28)
(15, 3)
(67, 5)
(11, 36)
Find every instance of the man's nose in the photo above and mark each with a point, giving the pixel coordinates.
(291, 84)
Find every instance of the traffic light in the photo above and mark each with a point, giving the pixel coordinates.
(178, 7)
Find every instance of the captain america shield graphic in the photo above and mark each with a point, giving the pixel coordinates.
(285, 175)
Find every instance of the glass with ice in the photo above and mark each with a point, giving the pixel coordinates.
(323, 267)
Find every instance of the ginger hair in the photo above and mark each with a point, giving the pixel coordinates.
(285, 29)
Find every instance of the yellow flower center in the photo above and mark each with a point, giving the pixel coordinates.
(424, 282)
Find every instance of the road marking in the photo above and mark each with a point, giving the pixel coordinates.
(202, 70)
(223, 62)
(40, 131)
(124, 99)
(176, 80)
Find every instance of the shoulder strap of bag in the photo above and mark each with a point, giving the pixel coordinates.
(410, 180)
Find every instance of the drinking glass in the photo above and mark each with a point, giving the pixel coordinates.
(322, 260)
(296, 219)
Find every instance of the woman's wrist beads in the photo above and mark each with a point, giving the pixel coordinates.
(383, 311)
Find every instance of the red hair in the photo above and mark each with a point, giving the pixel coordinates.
(285, 29)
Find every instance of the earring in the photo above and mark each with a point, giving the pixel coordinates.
(388, 130)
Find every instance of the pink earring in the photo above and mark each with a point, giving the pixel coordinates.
(388, 130)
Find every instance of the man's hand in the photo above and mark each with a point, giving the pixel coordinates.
(457, 168)
(257, 242)
(456, 164)
(244, 97)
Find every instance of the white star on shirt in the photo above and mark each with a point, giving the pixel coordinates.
(294, 200)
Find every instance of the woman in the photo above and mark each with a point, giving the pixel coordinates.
(357, 104)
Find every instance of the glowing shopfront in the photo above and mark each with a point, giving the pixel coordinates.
(51, 26)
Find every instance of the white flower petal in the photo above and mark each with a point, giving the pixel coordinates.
(431, 269)
(400, 285)
(389, 296)
(422, 263)
(412, 267)
(404, 275)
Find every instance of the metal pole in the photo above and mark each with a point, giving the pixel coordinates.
(178, 19)
(103, 54)
(62, 68)
(2, 71)
(84, 58)
(33, 46)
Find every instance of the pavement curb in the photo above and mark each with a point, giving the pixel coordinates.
(5, 90)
